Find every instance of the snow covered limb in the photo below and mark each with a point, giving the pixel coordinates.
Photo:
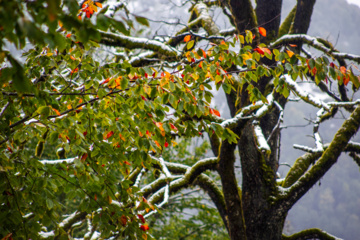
(117, 40)
(260, 139)
(312, 233)
(326, 161)
(314, 42)
(67, 160)
(307, 97)
(245, 112)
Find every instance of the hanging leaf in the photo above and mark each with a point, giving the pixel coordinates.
(262, 31)
(187, 38)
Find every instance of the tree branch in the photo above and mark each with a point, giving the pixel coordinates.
(312, 233)
(326, 161)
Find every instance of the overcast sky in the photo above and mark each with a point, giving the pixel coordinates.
(357, 2)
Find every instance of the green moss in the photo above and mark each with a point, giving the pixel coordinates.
(285, 27)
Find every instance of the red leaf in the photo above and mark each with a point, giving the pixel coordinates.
(332, 65)
(259, 50)
(166, 144)
(68, 35)
(85, 133)
(144, 227)
(173, 127)
(95, 197)
(84, 156)
(123, 220)
(127, 163)
(262, 31)
(187, 38)
(105, 81)
(109, 134)
(143, 98)
(141, 217)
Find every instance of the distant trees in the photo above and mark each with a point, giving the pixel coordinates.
(92, 142)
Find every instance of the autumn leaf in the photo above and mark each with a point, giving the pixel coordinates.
(108, 135)
(144, 227)
(141, 217)
(83, 157)
(215, 112)
(292, 45)
(259, 50)
(290, 53)
(105, 81)
(160, 126)
(95, 197)
(343, 70)
(187, 38)
(98, 4)
(158, 144)
(57, 112)
(75, 70)
(127, 163)
(173, 127)
(166, 144)
(262, 31)
(123, 220)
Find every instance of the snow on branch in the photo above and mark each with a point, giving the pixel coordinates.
(67, 160)
(260, 139)
(307, 97)
(243, 114)
(314, 42)
(112, 39)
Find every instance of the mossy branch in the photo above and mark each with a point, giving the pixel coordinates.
(315, 43)
(325, 162)
(312, 233)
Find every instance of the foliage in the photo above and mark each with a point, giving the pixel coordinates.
(78, 132)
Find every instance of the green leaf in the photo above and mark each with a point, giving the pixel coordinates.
(190, 44)
(142, 21)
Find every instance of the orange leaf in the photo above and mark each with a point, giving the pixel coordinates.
(144, 227)
(95, 197)
(216, 112)
(98, 4)
(159, 125)
(204, 53)
(68, 35)
(262, 31)
(266, 50)
(343, 70)
(57, 112)
(223, 42)
(346, 80)
(157, 144)
(127, 163)
(148, 133)
(290, 53)
(292, 45)
(187, 38)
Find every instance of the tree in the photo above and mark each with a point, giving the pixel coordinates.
(85, 132)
